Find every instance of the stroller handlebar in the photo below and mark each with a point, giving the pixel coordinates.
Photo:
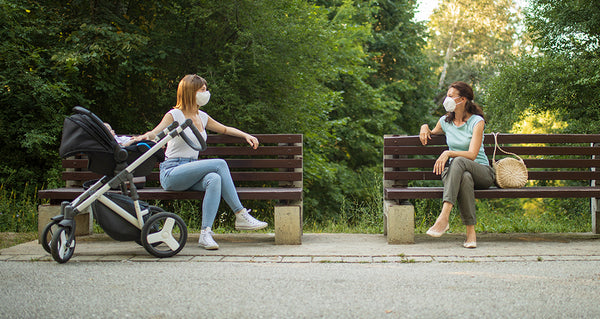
(166, 131)
(202, 146)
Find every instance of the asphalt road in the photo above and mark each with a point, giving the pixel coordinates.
(547, 289)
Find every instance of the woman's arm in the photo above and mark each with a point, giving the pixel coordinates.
(228, 130)
(425, 133)
(471, 154)
(151, 135)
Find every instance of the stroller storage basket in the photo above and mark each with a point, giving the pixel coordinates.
(114, 225)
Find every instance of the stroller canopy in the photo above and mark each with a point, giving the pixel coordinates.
(84, 132)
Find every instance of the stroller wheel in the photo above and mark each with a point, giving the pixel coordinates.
(60, 248)
(47, 234)
(153, 210)
(164, 235)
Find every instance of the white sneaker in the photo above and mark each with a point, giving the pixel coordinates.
(244, 221)
(206, 241)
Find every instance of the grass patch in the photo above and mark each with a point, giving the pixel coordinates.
(9, 239)
(548, 215)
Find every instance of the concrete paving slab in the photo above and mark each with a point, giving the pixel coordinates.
(319, 247)
(267, 259)
(297, 259)
(207, 258)
(327, 259)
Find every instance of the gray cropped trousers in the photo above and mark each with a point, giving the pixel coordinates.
(460, 179)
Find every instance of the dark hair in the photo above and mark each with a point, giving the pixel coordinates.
(466, 91)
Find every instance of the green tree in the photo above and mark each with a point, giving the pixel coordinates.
(56, 55)
(563, 78)
(469, 37)
(384, 88)
(342, 72)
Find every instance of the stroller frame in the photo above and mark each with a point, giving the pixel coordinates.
(156, 232)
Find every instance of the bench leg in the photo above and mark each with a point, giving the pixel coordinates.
(83, 221)
(595, 216)
(399, 223)
(288, 225)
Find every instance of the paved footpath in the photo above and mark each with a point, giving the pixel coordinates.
(342, 248)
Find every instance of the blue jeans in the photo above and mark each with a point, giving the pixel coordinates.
(210, 175)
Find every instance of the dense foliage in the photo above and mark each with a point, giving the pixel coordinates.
(341, 72)
(561, 77)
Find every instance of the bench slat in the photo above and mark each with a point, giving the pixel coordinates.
(248, 151)
(262, 138)
(489, 150)
(531, 163)
(255, 193)
(237, 176)
(397, 140)
(532, 175)
(233, 163)
(526, 192)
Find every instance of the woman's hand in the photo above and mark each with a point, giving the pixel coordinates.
(424, 134)
(439, 165)
(253, 141)
(148, 136)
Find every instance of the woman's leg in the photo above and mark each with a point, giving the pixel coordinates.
(460, 181)
(213, 177)
(471, 234)
(466, 199)
(443, 220)
(189, 176)
(211, 184)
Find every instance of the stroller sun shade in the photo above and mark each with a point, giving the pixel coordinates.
(85, 133)
(81, 134)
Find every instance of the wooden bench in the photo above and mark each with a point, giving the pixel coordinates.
(271, 172)
(549, 157)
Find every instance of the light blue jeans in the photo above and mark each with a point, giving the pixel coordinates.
(209, 175)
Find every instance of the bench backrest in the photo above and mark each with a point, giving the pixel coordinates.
(547, 156)
(278, 159)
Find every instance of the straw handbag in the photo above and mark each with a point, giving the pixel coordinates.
(510, 172)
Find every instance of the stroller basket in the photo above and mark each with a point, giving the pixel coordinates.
(114, 225)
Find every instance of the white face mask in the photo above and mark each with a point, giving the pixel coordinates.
(202, 98)
(449, 104)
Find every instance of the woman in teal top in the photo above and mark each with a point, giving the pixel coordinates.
(464, 166)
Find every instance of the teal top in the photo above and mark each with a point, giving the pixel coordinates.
(458, 138)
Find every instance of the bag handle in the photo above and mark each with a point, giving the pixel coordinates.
(498, 147)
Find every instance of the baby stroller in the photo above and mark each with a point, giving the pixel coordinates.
(120, 214)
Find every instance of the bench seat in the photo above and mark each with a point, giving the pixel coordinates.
(551, 159)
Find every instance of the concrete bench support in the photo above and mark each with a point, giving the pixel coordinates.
(288, 225)
(399, 223)
(83, 222)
